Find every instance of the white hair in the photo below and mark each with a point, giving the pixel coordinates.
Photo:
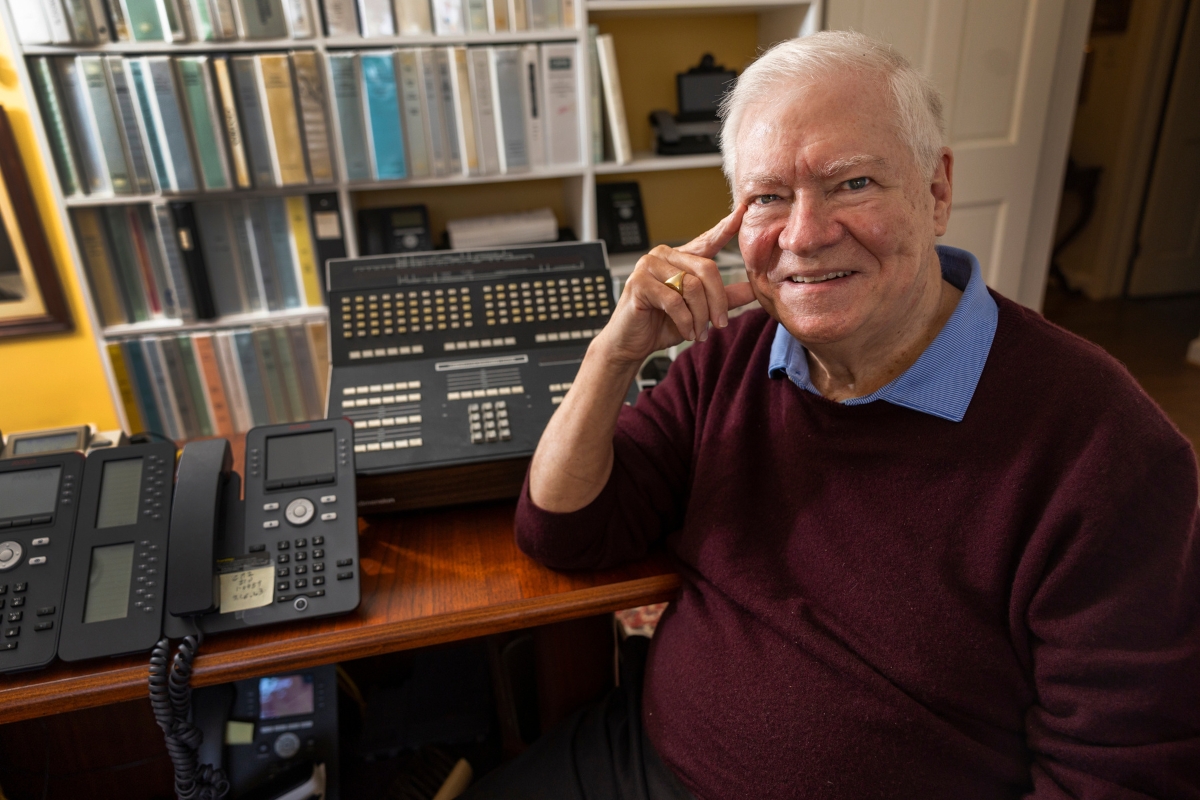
(798, 62)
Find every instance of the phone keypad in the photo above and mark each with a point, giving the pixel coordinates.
(309, 554)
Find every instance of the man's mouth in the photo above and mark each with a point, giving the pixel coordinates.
(819, 278)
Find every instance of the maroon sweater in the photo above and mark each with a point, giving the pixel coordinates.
(882, 603)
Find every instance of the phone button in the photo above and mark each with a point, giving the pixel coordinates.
(10, 554)
(271, 523)
(41, 541)
(300, 604)
(300, 511)
(270, 506)
(329, 498)
(329, 516)
(37, 561)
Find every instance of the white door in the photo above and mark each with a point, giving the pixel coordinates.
(995, 63)
(1168, 260)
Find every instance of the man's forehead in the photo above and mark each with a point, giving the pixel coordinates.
(821, 168)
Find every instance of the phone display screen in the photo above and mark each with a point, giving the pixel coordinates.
(28, 492)
(408, 219)
(303, 455)
(108, 582)
(46, 444)
(120, 488)
(285, 696)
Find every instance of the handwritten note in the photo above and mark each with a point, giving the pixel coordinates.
(249, 588)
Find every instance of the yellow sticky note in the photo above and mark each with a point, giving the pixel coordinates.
(250, 588)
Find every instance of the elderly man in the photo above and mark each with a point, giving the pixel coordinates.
(931, 545)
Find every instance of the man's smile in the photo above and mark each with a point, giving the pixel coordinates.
(819, 278)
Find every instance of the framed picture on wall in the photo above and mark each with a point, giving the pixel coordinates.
(31, 296)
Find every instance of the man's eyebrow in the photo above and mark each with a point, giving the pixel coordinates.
(763, 179)
(839, 165)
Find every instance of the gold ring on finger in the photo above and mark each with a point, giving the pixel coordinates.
(676, 282)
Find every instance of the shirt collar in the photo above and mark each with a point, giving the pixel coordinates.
(942, 381)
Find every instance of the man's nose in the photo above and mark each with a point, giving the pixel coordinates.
(810, 227)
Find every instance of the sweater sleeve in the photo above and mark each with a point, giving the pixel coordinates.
(647, 492)
(1113, 634)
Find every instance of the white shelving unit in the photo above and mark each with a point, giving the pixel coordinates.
(777, 20)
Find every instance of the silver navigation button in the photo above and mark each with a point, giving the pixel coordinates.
(300, 511)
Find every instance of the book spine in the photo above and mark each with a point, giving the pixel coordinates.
(176, 271)
(408, 79)
(143, 219)
(448, 17)
(310, 90)
(152, 418)
(98, 264)
(479, 75)
(130, 121)
(120, 26)
(163, 392)
(215, 236)
(297, 215)
(250, 272)
(595, 97)
(275, 88)
(144, 20)
(174, 23)
(179, 387)
(112, 145)
(614, 102)
(444, 62)
(318, 338)
(233, 128)
(98, 13)
(518, 12)
(348, 99)
(206, 123)
(326, 228)
(145, 267)
(268, 367)
(431, 113)
(231, 377)
(509, 103)
(413, 17)
(125, 261)
(278, 232)
(199, 16)
(254, 126)
(376, 18)
(501, 21)
(183, 222)
(225, 20)
(79, 20)
(252, 380)
(535, 104)
(562, 103)
(477, 16)
(288, 378)
(57, 21)
(340, 18)
(304, 371)
(570, 13)
(460, 88)
(149, 121)
(267, 271)
(198, 392)
(129, 400)
(263, 19)
(220, 414)
(174, 140)
(30, 23)
(299, 19)
(45, 89)
(385, 136)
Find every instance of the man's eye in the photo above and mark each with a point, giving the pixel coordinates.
(764, 199)
(854, 184)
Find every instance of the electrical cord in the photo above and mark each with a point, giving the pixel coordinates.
(171, 700)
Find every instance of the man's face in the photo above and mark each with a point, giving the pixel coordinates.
(839, 231)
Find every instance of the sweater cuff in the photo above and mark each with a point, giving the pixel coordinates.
(570, 540)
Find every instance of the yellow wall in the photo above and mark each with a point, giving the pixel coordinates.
(48, 381)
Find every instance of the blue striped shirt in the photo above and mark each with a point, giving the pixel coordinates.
(942, 381)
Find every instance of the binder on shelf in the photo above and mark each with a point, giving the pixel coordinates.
(207, 121)
(199, 18)
(232, 381)
(150, 124)
(198, 393)
(432, 112)
(203, 344)
(283, 127)
(595, 98)
(288, 378)
(299, 19)
(132, 128)
(225, 20)
(182, 219)
(104, 119)
(341, 18)
(214, 233)
(187, 414)
(306, 257)
(160, 298)
(164, 396)
(263, 19)
(145, 20)
(448, 17)
(139, 373)
(413, 17)
(268, 365)
(262, 272)
(477, 17)
(98, 265)
(501, 21)
(509, 104)
(559, 68)
(305, 371)
(176, 267)
(30, 23)
(125, 263)
(79, 22)
(460, 109)
(535, 104)
(62, 149)
(173, 138)
(125, 387)
(313, 99)
(255, 132)
(347, 96)
(278, 231)
(483, 109)
(412, 89)
(614, 102)
(385, 135)
(246, 270)
(375, 18)
(227, 100)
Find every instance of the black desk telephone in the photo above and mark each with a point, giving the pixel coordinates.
(90, 549)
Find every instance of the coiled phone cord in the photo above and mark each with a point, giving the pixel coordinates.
(171, 700)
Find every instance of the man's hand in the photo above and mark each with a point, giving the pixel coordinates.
(651, 315)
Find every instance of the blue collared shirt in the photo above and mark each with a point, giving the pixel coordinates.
(942, 381)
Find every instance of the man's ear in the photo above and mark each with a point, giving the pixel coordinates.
(941, 187)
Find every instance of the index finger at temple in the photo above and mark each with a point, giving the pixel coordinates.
(709, 243)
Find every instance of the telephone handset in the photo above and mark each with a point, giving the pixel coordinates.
(38, 496)
(289, 550)
(114, 596)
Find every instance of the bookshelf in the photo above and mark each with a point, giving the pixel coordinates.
(654, 40)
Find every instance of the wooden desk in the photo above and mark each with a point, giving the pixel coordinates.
(427, 577)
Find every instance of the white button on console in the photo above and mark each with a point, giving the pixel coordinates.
(329, 498)
(270, 506)
(300, 511)
(329, 516)
(271, 523)
(37, 560)
(41, 541)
